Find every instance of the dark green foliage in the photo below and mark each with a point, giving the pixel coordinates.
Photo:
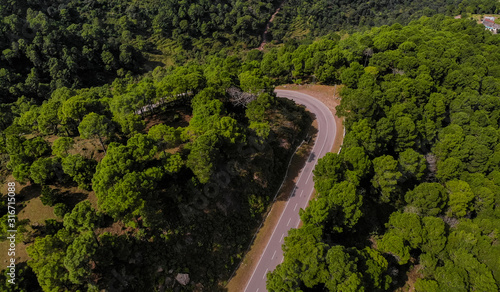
(95, 126)
(80, 169)
(43, 170)
(82, 218)
(49, 197)
(428, 198)
(417, 177)
(60, 209)
(313, 16)
(421, 149)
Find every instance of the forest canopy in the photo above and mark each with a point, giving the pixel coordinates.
(150, 129)
(416, 185)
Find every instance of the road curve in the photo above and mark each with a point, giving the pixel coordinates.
(301, 194)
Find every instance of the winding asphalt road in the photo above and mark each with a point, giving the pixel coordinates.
(301, 194)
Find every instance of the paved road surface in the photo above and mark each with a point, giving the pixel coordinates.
(273, 255)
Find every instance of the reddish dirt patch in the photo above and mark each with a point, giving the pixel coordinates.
(264, 35)
(413, 275)
(178, 117)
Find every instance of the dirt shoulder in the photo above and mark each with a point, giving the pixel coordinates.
(329, 95)
(326, 95)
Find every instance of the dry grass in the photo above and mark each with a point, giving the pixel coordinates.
(33, 210)
(29, 206)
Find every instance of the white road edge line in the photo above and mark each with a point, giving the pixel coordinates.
(288, 201)
(272, 234)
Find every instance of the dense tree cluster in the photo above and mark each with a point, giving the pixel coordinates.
(79, 43)
(165, 180)
(182, 160)
(310, 18)
(416, 184)
(51, 44)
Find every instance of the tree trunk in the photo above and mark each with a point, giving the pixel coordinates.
(102, 144)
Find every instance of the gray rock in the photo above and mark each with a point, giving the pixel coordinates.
(183, 279)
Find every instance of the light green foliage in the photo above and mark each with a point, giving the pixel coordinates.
(413, 164)
(254, 81)
(376, 269)
(164, 134)
(364, 135)
(61, 146)
(422, 285)
(143, 147)
(95, 126)
(261, 129)
(74, 109)
(47, 258)
(80, 169)
(202, 155)
(306, 252)
(350, 76)
(386, 177)
(405, 133)
(347, 202)
(357, 162)
(79, 256)
(394, 245)
(327, 172)
(340, 207)
(207, 112)
(408, 226)
(449, 169)
(256, 114)
(82, 218)
(429, 198)
(434, 235)
(42, 170)
(228, 129)
(174, 163)
(122, 183)
(48, 119)
(461, 197)
(343, 274)
(36, 147)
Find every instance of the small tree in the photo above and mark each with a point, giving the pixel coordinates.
(49, 196)
(60, 209)
(94, 125)
(61, 146)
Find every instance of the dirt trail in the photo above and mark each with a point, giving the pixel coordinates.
(264, 35)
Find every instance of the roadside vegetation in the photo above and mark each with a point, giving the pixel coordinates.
(151, 132)
(416, 186)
